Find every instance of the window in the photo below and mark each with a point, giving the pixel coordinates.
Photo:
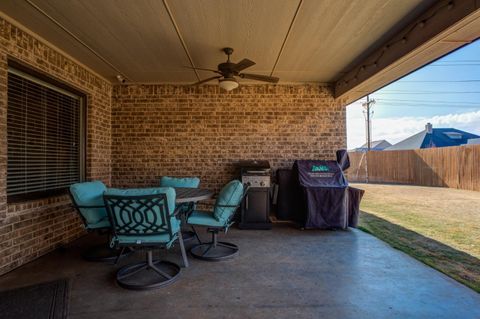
(45, 136)
(454, 135)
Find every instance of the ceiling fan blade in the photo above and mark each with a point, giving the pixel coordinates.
(203, 69)
(207, 80)
(258, 77)
(242, 65)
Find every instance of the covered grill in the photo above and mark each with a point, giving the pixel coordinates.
(324, 199)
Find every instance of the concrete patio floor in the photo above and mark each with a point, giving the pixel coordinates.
(283, 273)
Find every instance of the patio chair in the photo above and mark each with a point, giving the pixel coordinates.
(220, 219)
(185, 182)
(88, 201)
(185, 208)
(144, 218)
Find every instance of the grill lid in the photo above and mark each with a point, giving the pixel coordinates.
(254, 167)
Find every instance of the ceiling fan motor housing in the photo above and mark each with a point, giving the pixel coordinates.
(227, 69)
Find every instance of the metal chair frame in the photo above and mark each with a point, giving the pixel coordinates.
(167, 272)
(202, 250)
(183, 216)
(102, 252)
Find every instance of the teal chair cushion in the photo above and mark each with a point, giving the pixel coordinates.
(145, 240)
(203, 218)
(174, 222)
(231, 195)
(91, 194)
(188, 182)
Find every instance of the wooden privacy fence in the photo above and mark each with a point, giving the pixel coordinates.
(454, 167)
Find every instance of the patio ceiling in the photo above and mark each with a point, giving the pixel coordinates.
(152, 40)
(138, 38)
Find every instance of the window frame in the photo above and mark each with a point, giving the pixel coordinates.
(48, 81)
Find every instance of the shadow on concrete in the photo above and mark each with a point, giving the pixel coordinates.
(457, 264)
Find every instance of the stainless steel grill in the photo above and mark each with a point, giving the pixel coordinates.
(256, 205)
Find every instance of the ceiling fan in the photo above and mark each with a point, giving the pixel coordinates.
(227, 72)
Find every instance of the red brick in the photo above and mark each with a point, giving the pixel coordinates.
(23, 225)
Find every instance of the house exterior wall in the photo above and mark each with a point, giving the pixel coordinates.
(32, 228)
(202, 131)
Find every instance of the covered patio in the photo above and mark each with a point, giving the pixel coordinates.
(123, 93)
(283, 274)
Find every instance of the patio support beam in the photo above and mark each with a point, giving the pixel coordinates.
(444, 27)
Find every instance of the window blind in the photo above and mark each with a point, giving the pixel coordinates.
(44, 141)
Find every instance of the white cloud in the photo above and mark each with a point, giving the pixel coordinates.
(397, 129)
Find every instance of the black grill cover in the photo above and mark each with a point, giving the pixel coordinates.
(354, 198)
(320, 174)
(286, 195)
(323, 197)
(343, 160)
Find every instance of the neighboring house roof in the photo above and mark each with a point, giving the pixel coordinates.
(474, 141)
(437, 137)
(410, 143)
(379, 145)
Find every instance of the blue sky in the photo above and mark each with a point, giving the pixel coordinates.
(445, 93)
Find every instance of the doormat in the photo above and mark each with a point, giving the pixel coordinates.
(47, 300)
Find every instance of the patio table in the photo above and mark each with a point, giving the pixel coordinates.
(189, 195)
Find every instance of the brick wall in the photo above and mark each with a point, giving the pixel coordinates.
(147, 131)
(33, 228)
(179, 130)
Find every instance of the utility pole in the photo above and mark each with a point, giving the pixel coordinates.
(368, 128)
(368, 121)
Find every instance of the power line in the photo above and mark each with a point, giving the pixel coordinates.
(428, 92)
(431, 105)
(434, 106)
(448, 61)
(452, 104)
(455, 64)
(428, 101)
(433, 101)
(424, 91)
(437, 81)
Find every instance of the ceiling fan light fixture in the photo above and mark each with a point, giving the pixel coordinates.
(228, 84)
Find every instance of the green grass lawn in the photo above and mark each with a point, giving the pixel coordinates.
(438, 226)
